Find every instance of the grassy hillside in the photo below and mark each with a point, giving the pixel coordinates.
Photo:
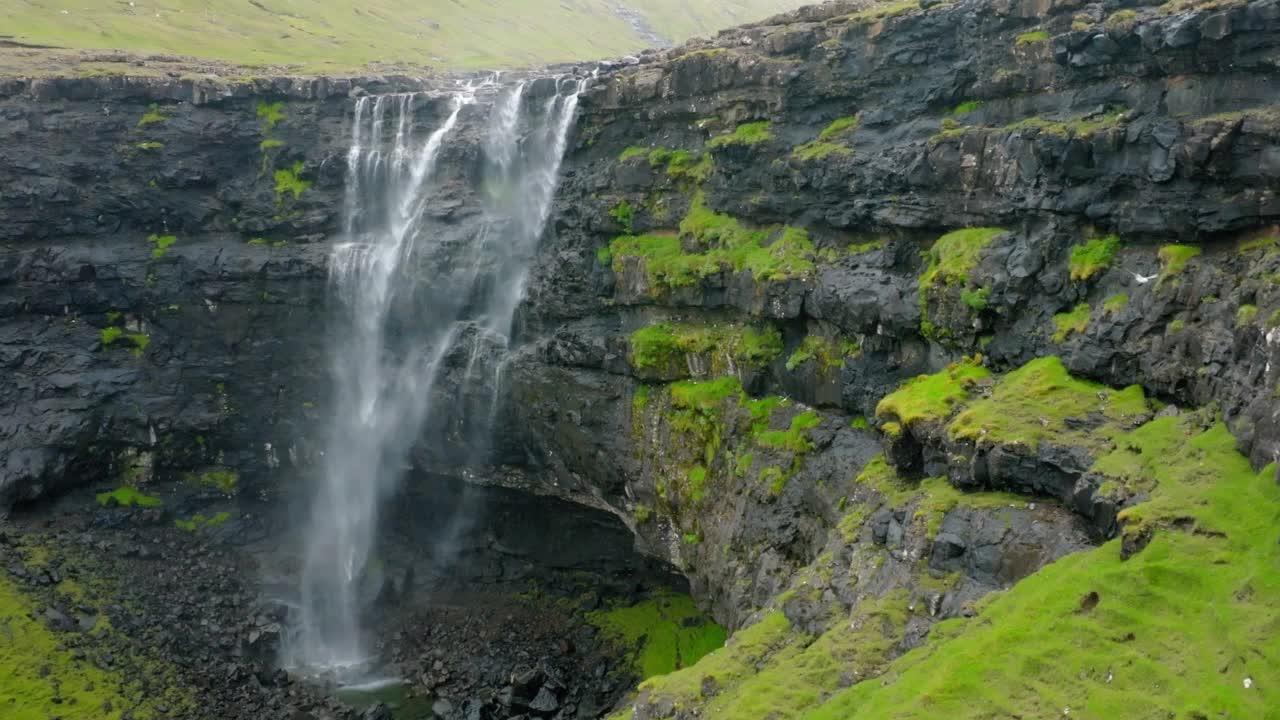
(332, 35)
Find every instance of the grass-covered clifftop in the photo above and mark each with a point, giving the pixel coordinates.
(1174, 618)
(329, 36)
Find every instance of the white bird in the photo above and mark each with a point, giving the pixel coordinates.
(1248, 683)
(1143, 279)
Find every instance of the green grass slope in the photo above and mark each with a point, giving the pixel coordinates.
(1186, 627)
(333, 36)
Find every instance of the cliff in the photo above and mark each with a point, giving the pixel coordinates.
(854, 316)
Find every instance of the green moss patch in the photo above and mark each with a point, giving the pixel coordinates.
(662, 345)
(624, 214)
(128, 497)
(665, 633)
(825, 351)
(1174, 259)
(819, 149)
(866, 247)
(747, 134)
(199, 522)
(1041, 401)
(1246, 314)
(1076, 127)
(773, 671)
(1031, 38)
(222, 479)
(682, 164)
(160, 244)
(1115, 303)
(270, 114)
(768, 254)
(952, 260)
(1075, 320)
(1093, 257)
(289, 181)
(795, 438)
(931, 398)
(965, 107)
(1184, 628)
(41, 678)
(839, 126)
(153, 115)
(633, 151)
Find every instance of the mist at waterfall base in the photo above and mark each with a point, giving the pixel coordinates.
(408, 299)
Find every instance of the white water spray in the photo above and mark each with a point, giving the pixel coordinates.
(387, 353)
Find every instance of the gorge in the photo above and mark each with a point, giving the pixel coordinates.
(930, 347)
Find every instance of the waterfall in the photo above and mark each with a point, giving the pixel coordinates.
(387, 349)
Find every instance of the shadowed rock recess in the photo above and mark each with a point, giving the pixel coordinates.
(937, 344)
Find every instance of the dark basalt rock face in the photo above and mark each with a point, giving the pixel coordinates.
(233, 312)
(1160, 129)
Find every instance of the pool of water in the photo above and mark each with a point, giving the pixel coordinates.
(390, 692)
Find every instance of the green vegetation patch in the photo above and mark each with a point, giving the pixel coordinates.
(1246, 315)
(1185, 628)
(153, 115)
(795, 438)
(1093, 257)
(271, 114)
(975, 299)
(866, 247)
(1041, 401)
(839, 126)
(965, 107)
(666, 633)
(1268, 240)
(42, 678)
(160, 244)
(128, 497)
(289, 181)
(1075, 320)
(150, 146)
(825, 351)
(952, 260)
(1031, 38)
(344, 39)
(1174, 258)
(659, 346)
(1115, 303)
(798, 675)
(929, 398)
(819, 149)
(222, 479)
(954, 256)
(199, 522)
(633, 151)
(1121, 20)
(746, 134)
(682, 164)
(112, 334)
(768, 254)
(624, 214)
(880, 11)
(1078, 127)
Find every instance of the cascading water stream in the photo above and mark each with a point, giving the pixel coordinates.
(387, 353)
